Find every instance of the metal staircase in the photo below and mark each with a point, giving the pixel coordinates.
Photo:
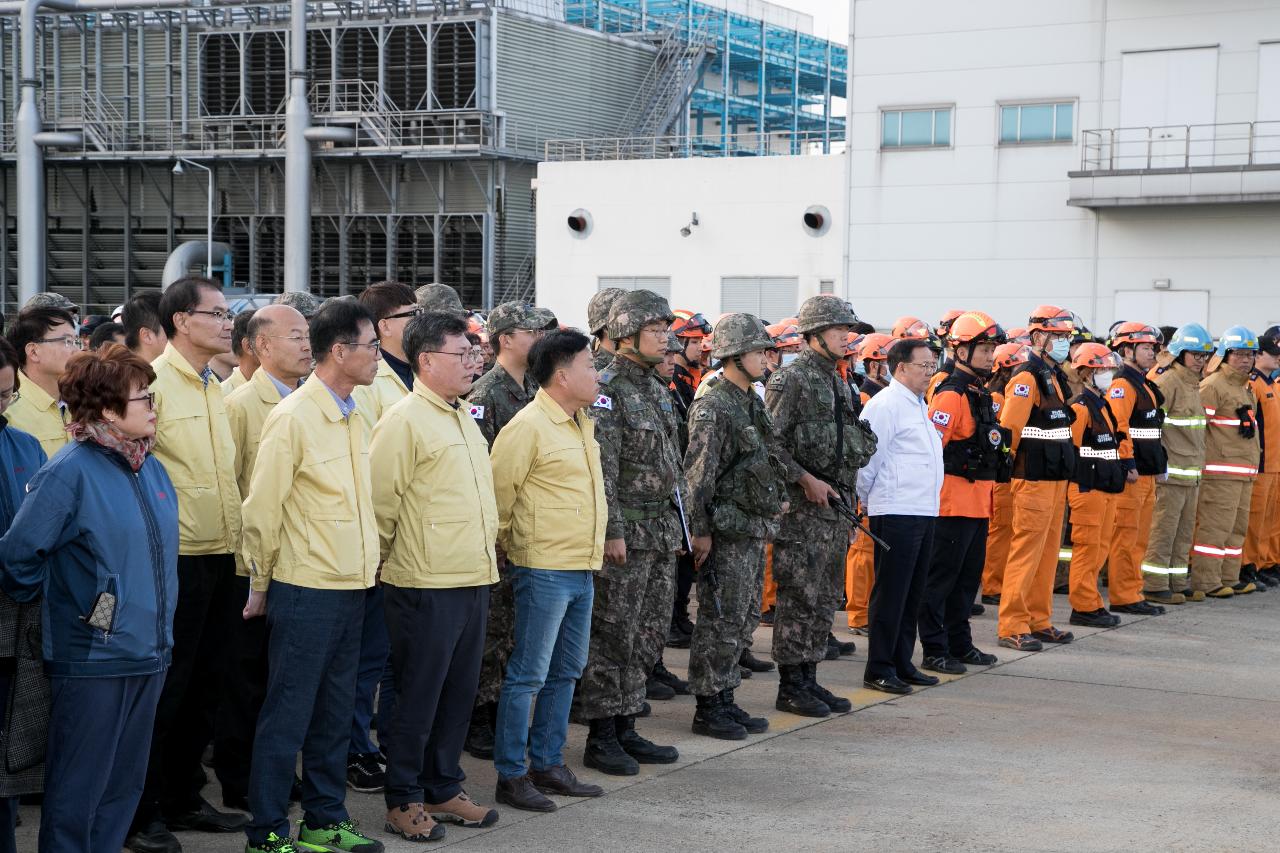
(102, 124)
(359, 103)
(665, 91)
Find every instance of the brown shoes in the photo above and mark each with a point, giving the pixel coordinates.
(560, 780)
(464, 811)
(519, 793)
(411, 821)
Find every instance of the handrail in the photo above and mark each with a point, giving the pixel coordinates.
(1181, 146)
(679, 147)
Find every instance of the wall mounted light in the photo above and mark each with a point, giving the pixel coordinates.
(693, 223)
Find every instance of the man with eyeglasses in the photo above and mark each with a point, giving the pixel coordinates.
(392, 306)
(277, 335)
(494, 400)
(45, 338)
(193, 441)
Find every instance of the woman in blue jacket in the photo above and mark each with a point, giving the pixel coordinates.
(98, 537)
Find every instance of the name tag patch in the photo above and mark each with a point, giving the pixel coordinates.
(941, 418)
(1022, 390)
(603, 402)
(1117, 393)
(476, 412)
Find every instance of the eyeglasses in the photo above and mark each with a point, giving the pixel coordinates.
(9, 396)
(149, 399)
(293, 339)
(929, 366)
(416, 312)
(374, 346)
(475, 354)
(219, 315)
(68, 341)
(656, 333)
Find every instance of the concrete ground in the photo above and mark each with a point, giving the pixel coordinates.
(1156, 735)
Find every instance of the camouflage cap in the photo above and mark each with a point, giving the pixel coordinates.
(598, 308)
(439, 297)
(674, 344)
(736, 334)
(306, 303)
(825, 309)
(49, 299)
(636, 309)
(519, 315)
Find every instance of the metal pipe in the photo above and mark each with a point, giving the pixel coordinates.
(297, 163)
(328, 133)
(181, 258)
(208, 268)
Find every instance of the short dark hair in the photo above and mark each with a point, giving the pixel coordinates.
(239, 330)
(384, 297)
(553, 351)
(102, 380)
(104, 334)
(32, 324)
(9, 358)
(183, 296)
(427, 332)
(1167, 333)
(337, 321)
(903, 351)
(140, 312)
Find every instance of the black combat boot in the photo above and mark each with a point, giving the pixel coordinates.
(753, 725)
(713, 720)
(640, 748)
(822, 694)
(657, 690)
(669, 678)
(753, 663)
(794, 698)
(480, 732)
(604, 753)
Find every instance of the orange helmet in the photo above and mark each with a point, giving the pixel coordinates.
(1051, 318)
(690, 324)
(476, 326)
(1095, 355)
(853, 344)
(974, 327)
(1135, 333)
(1011, 355)
(875, 346)
(1018, 335)
(786, 335)
(914, 327)
(944, 325)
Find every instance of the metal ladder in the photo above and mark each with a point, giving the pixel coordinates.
(102, 123)
(669, 83)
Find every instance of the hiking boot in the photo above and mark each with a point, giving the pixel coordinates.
(479, 742)
(273, 844)
(1220, 592)
(463, 811)
(977, 657)
(1021, 643)
(669, 678)
(836, 703)
(753, 663)
(1164, 596)
(643, 750)
(521, 793)
(342, 835)
(753, 725)
(794, 698)
(845, 649)
(657, 691)
(713, 720)
(1053, 635)
(1139, 608)
(411, 822)
(991, 599)
(365, 774)
(943, 664)
(604, 753)
(1094, 619)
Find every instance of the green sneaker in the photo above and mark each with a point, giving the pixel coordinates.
(273, 844)
(342, 837)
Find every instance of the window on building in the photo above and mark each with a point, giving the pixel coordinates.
(928, 128)
(1037, 123)
(769, 298)
(660, 285)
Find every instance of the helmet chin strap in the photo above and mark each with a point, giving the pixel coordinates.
(737, 362)
(822, 342)
(976, 371)
(632, 350)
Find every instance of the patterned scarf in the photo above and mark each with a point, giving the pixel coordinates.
(134, 450)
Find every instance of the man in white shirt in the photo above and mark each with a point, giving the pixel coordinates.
(900, 488)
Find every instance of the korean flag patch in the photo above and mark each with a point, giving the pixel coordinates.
(476, 412)
(941, 418)
(603, 402)
(1022, 390)
(1117, 393)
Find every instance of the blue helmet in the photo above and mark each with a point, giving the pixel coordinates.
(1237, 338)
(1191, 338)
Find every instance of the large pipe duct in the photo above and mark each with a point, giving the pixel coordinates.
(297, 158)
(181, 259)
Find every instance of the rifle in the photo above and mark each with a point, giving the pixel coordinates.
(707, 575)
(684, 522)
(843, 507)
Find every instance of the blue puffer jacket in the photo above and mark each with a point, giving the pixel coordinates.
(90, 525)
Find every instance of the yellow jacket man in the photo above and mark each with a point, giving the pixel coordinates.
(45, 339)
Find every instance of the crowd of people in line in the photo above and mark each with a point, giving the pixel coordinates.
(377, 531)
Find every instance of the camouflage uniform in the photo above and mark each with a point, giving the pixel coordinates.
(439, 297)
(635, 425)
(804, 399)
(50, 299)
(306, 303)
(597, 318)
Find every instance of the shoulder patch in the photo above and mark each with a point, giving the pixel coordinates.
(1160, 371)
(603, 402)
(476, 412)
(1021, 390)
(995, 406)
(1117, 393)
(942, 418)
(608, 375)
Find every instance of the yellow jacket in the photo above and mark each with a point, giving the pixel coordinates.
(372, 401)
(38, 414)
(433, 495)
(193, 441)
(234, 381)
(247, 410)
(550, 489)
(309, 512)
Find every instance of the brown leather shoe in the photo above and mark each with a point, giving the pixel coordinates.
(464, 811)
(560, 780)
(519, 793)
(412, 823)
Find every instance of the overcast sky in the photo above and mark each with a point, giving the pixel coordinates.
(830, 17)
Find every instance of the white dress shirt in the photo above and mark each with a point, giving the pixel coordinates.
(904, 477)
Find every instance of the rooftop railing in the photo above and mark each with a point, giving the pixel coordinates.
(1182, 146)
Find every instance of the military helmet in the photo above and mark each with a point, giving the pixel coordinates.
(737, 334)
(439, 297)
(823, 311)
(306, 303)
(674, 344)
(634, 310)
(519, 315)
(598, 308)
(50, 299)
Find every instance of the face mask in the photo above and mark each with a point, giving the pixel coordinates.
(1061, 350)
(788, 357)
(1275, 374)
(860, 368)
(1102, 379)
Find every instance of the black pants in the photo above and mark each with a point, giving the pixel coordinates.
(437, 641)
(246, 679)
(955, 573)
(183, 720)
(897, 591)
(684, 582)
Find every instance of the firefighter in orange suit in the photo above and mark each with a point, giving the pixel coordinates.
(1036, 413)
(1231, 454)
(1008, 356)
(871, 353)
(1098, 481)
(1265, 502)
(1136, 403)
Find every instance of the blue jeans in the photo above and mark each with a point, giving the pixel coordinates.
(374, 649)
(552, 632)
(313, 648)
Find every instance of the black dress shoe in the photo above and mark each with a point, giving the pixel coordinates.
(887, 685)
(205, 818)
(520, 793)
(919, 679)
(560, 780)
(944, 664)
(155, 837)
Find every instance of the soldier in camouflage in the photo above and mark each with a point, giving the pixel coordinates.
(50, 299)
(495, 399)
(822, 443)
(439, 297)
(597, 318)
(635, 425)
(304, 302)
(736, 495)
